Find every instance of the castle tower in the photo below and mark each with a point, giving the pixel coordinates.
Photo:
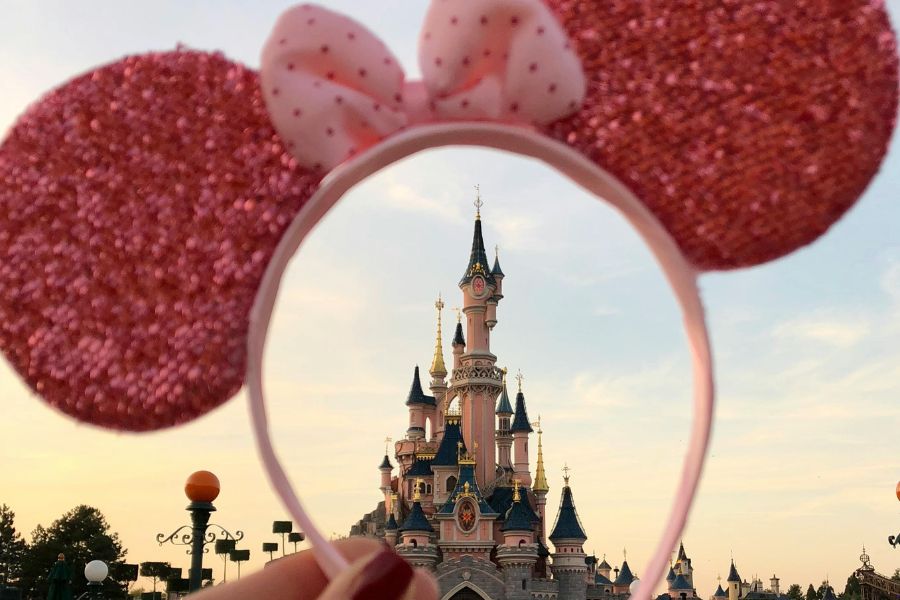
(719, 594)
(420, 407)
(416, 531)
(518, 554)
(386, 467)
(684, 567)
(521, 429)
(438, 372)
(604, 568)
(390, 531)
(734, 583)
(774, 585)
(504, 435)
(568, 537)
(477, 382)
(540, 489)
(624, 579)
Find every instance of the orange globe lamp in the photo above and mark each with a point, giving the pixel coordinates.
(202, 486)
(898, 490)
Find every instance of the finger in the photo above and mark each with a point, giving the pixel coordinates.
(296, 577)
(385, 576)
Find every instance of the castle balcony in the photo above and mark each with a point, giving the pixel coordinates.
(480, 373)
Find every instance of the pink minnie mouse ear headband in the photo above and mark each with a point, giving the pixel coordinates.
(149, 208)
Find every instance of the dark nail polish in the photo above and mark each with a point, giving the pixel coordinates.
(386, 577)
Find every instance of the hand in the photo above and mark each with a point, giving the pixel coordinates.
(375, 573)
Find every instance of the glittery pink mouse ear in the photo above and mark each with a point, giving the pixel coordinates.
(139, 206)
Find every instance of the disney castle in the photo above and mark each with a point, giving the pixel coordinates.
(463, 500)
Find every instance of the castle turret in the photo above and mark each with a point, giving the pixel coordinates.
(734, 583)
(420, 406)
(684, 567)
(504, 435)
(521, 429)
(416, 532)
(774, 585)
(568, 537)
(540, 487)
(391, 531)
(477, 381)
(386, 467)
(518, 554)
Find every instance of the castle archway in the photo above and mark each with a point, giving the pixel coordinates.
(466, 591)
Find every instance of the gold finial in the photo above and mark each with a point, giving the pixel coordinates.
(437, 363)
(504, 370)
(478, 203)
(417, 495)
(566, 470)
(516, 496)
(497, 252)
(519, 378)
(387, 444)
(458, 313)
(540, 477)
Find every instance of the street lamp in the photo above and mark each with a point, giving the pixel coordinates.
(201, 489)
(95, 572)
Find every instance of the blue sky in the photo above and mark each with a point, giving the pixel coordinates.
(805, 455)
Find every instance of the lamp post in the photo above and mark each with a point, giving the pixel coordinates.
(201, 489)
(894, 540)
(95, 572)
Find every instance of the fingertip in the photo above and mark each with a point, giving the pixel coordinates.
(424, 586)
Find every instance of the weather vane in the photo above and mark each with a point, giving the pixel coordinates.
(478, 202)
(387, 442)
(519, 378)
(566, 470)
(458, 313)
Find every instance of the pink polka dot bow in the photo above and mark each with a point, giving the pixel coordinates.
(333, 89)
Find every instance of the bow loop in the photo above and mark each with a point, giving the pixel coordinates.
(334, 89)
(507, 60)
(331, 87)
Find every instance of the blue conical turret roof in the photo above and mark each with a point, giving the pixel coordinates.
(518, 518)
(386, 463)
(503, 405)
(478, 260)
(416, 395)
(733, 576)
(679, 584)
(458, 338)
(720, 593)
(625, 576)
(391, 524)
(448, 451)
(496, 271)
(670, 577)
(520, 421)
(416, 521)
(568, 525)
(467, 487)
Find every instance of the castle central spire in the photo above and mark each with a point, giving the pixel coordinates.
(438, 368)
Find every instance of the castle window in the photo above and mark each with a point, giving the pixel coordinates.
(428, 489)
(451, 483)
(524, 582)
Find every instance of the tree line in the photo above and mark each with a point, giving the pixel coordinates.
(82, 534)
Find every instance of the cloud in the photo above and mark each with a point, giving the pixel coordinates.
(404, 197)
(842, 331)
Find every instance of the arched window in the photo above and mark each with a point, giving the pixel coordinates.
(415, 544)
(428, 488)
(451, 483)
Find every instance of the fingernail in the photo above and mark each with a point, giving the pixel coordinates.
(387, 576)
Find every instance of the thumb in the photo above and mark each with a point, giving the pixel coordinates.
(381, 576)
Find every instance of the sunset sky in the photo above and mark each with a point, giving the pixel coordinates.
(806, 451)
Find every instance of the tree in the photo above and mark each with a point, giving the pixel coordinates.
(811, 593)
(155, 571)
(795, 592)
(851, 590)
(12, 547)
(83, 535)
(896, 575)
